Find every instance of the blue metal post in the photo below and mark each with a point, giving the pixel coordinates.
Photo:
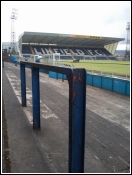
(62, 77)
(36, 98)
(77, 109)
(2, 62)
(23, 84)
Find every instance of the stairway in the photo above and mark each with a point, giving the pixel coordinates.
(32, 50)
(88, 54)
(71, 53)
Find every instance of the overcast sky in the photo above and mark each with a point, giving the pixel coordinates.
(95, 18)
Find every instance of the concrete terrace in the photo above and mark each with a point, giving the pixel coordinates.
(107, 139)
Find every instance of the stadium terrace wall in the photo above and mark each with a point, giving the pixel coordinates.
(109, 83)
(117, 85)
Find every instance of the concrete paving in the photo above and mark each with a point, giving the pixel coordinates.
(107, 143)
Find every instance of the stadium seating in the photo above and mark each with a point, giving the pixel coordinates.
(106, 52)
(61, 50)
(26, 49)
(77, 51)
(93, 51)
(70, 53)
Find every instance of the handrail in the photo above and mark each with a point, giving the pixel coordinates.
(77, 107)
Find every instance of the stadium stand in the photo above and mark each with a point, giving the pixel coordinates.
(70, 47)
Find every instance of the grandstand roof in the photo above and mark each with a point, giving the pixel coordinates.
(66, 39)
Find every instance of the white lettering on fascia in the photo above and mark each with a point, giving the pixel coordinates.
(42, 50)
(73, 52)
(56, 50)
(66, 51)
(61, 51)
(90, 52)
(80, 52)
(36, 52)
(97, 52)
(48, 51)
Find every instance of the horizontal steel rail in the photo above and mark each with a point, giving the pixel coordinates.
(77, 107)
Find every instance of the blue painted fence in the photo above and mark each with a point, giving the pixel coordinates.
(112, 84)
(109, 83)
(77, 107)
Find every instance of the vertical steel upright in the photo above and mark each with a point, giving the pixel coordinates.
(23, 84)
(36, 98)
(77, 110)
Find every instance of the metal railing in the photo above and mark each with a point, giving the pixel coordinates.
(77, 107)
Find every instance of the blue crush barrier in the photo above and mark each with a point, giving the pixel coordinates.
(109, 83)
(28, 66)
(40, 70)
(77, 107)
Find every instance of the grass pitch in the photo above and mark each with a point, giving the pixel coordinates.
(104, 67)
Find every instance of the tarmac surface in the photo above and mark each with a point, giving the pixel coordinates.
(24, 150)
